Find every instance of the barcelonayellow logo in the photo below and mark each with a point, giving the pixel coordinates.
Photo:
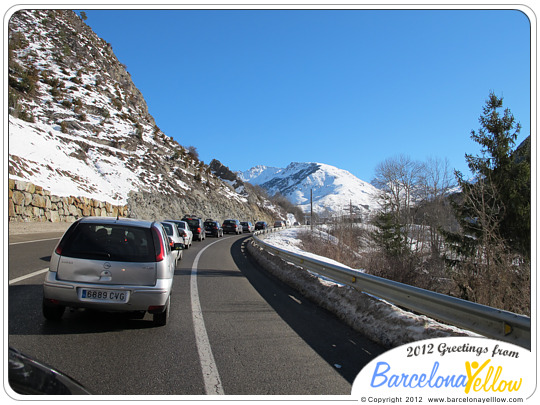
(456, 367)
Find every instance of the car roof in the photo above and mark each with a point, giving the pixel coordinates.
(117, 221)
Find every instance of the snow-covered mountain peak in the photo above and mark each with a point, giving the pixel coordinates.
(334, 190)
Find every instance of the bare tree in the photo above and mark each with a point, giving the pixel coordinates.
(486, 270)
(433, 211)
(399, 180)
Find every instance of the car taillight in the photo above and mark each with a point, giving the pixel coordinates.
(199, 230)
(158, 245)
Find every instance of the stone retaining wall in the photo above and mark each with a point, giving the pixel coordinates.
(30, 203)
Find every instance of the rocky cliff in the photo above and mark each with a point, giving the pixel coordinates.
(78, 126)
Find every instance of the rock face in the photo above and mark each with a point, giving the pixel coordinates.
(222, 171)
(79, 128)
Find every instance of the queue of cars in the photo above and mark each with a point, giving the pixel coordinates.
(123, 264)
(185, 231)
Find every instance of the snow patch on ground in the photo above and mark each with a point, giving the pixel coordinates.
(379, 320)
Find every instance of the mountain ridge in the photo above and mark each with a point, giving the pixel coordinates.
(78, 126)
(334, 190)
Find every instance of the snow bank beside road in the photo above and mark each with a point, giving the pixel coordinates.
(379, 320)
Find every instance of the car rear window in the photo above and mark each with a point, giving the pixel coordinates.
(193, 223)
(168, 228)
(109, 242)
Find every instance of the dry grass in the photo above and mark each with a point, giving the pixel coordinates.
(504, 284)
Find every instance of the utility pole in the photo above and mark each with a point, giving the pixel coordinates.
(311, 214)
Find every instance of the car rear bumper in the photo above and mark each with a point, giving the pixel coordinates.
(140, 298)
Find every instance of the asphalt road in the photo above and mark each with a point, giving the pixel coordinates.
(259, 337)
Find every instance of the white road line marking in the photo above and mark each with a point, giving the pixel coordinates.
(35, 273)
(31, 241)
(212, 382)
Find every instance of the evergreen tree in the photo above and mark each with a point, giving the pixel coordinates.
(389, 234)
(496, 203)
(490, 255)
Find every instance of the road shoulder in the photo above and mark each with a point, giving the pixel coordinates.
(25, 228)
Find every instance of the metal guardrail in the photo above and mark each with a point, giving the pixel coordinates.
(486, 321)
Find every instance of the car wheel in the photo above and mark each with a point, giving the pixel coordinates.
(52, 312)
(160, 319)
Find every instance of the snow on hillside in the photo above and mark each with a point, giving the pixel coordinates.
(334, 189)
(50, 161)
(89, 132)
(260, 174)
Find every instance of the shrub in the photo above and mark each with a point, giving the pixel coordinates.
(117, 103)
(64, 127)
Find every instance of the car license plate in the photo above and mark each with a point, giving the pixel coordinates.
(87, 294)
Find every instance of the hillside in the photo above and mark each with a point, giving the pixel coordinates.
(79, 126)
(335, 191)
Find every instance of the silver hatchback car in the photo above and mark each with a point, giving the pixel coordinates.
(111, 264)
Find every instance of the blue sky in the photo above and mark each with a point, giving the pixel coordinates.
(349, 88)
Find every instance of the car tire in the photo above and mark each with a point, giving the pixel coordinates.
(161, 318)
(52, 312)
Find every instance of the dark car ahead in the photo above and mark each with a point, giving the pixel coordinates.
(261, 226)
(232, 226)
(247, 226)
(213, 228)
(196, 226)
